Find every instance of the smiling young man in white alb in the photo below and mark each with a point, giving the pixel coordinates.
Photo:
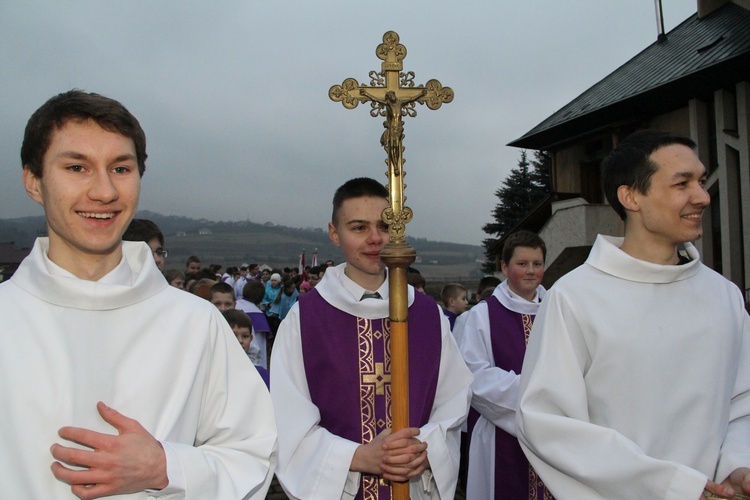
(636, 382)
(124, 385)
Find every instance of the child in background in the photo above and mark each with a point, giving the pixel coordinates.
(454, 300)
(222, 296)
(252, 295)
(415, 279)
(285, 299)
(242, 328)
(493, 342)
(175, 278)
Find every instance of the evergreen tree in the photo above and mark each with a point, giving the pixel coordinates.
(526, 185)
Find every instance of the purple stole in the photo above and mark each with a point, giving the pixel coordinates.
(260, 323)
(515, 479)
(347, 365)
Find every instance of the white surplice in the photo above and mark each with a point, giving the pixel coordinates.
(494, 390)
(314, 463)
(636, 381)
(154, 353)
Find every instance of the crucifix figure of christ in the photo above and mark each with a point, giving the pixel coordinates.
(393, 95)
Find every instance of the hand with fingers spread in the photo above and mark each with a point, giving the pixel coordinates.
(129, 462)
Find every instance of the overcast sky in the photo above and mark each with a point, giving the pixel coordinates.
(233, 95)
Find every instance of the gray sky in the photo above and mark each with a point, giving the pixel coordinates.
(233, 95)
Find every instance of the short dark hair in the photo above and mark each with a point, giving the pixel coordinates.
(143, 230)
(220, 287)
(357, 188)
(451, 291)
(487, 282)
(522, 238)
(192, 258)
(630, 164)
(171, 274)
(254, 291)
(235, 317)
(416, 280)
(78, 106)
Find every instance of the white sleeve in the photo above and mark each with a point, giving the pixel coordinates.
(494, 390)
(735, 450)
(313, 463)
(574, 457)
(234, 453)
(442, 433)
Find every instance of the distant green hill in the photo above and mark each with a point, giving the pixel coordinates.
(232, 243)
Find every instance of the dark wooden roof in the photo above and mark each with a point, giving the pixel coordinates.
(696, 58)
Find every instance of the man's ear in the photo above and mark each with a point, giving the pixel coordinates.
(333, 235)
(31, 184)
(628, 198)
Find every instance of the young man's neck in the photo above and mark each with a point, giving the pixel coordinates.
(367, 281)
(530, 297)
(648, 250)
(87, 267)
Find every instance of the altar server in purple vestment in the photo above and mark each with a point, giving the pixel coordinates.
(636, 381)
(331, 371)
(493, 343)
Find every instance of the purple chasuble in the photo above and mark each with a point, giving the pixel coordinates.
(515, 479)
(348, 369)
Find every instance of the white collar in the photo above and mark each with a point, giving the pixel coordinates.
(607, 257)
(134, 279)
(341, 292)
(515, 303)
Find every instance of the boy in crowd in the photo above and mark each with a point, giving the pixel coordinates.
(148, 231)
(239, 282)
(95, 322)
(252, 295)
(493, 343)
(415, 279)
(454, 300)
(243, 330)
(222, 296)
(192, 265)
(636, 382)
(332, 396)
(485, 287)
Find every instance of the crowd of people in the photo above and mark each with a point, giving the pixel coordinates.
(264, 294)
(629, 378)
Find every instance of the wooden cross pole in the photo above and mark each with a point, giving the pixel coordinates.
(393, 94)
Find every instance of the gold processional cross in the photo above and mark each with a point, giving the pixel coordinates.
(393, 95)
